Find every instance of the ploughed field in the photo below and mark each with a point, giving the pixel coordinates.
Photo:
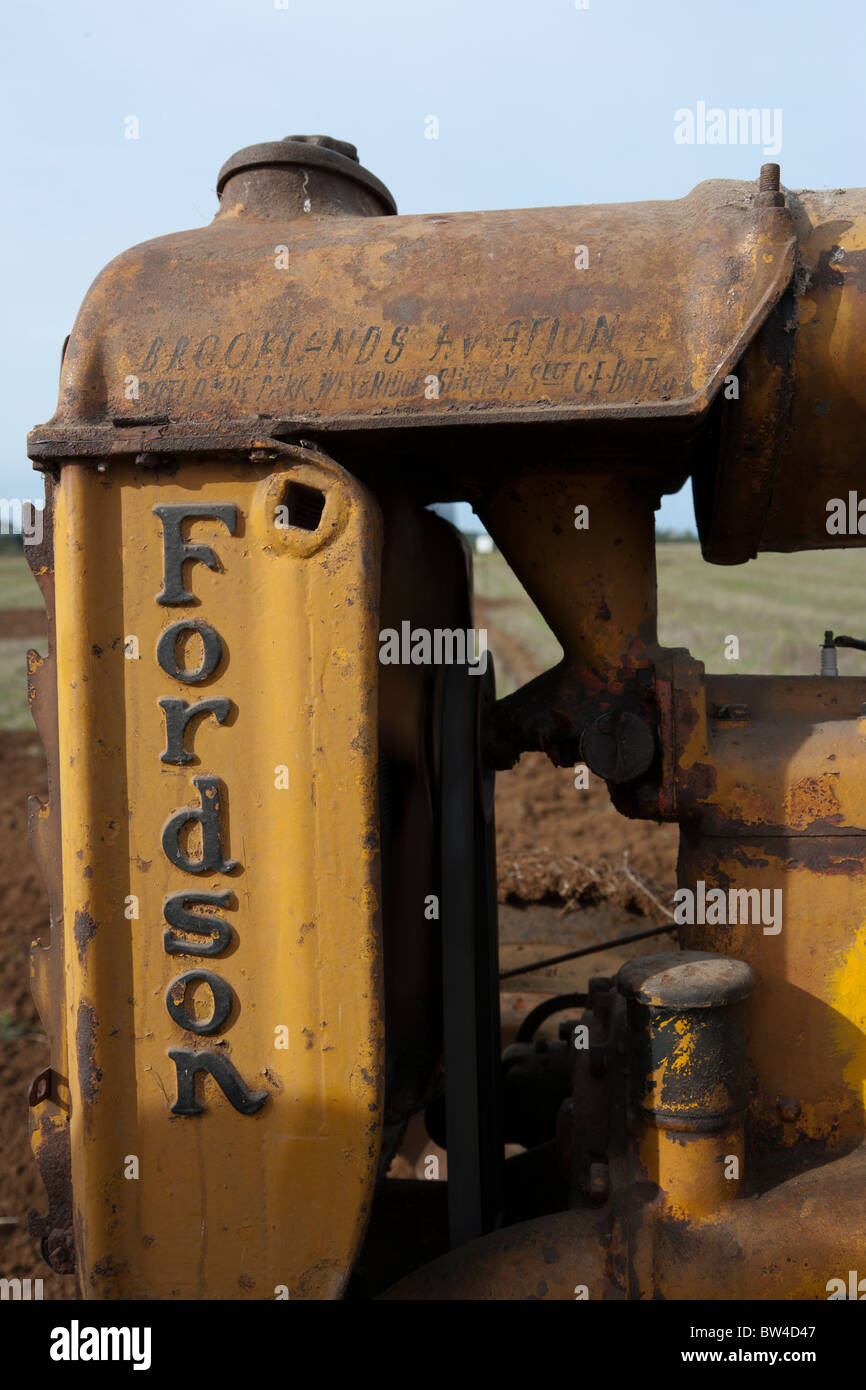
(571, 871)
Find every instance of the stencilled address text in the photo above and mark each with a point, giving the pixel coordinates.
(541, 358)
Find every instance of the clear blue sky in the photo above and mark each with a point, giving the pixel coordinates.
(539, 104)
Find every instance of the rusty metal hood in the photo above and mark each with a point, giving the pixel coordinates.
(345, 318)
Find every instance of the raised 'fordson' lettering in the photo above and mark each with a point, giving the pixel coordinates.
(180, 721)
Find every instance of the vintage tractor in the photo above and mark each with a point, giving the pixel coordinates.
(269, 848)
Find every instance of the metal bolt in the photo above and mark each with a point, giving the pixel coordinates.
(789, 1108)
(769, 191)
(618, 746)
(769, 179)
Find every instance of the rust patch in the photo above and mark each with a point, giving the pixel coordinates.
(826, 274)
(828, 854)
(55, 1230)
(698, 784)
(85, 929)
(814, 798)
(85, 1045)
(108, 1269)
(825, 851)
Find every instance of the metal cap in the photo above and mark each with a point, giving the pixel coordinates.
(310, 151)
(682, 980)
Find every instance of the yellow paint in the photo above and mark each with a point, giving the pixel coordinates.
(684, 1055)
(227, 1205)
(690, 1167)
(849, 1001)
